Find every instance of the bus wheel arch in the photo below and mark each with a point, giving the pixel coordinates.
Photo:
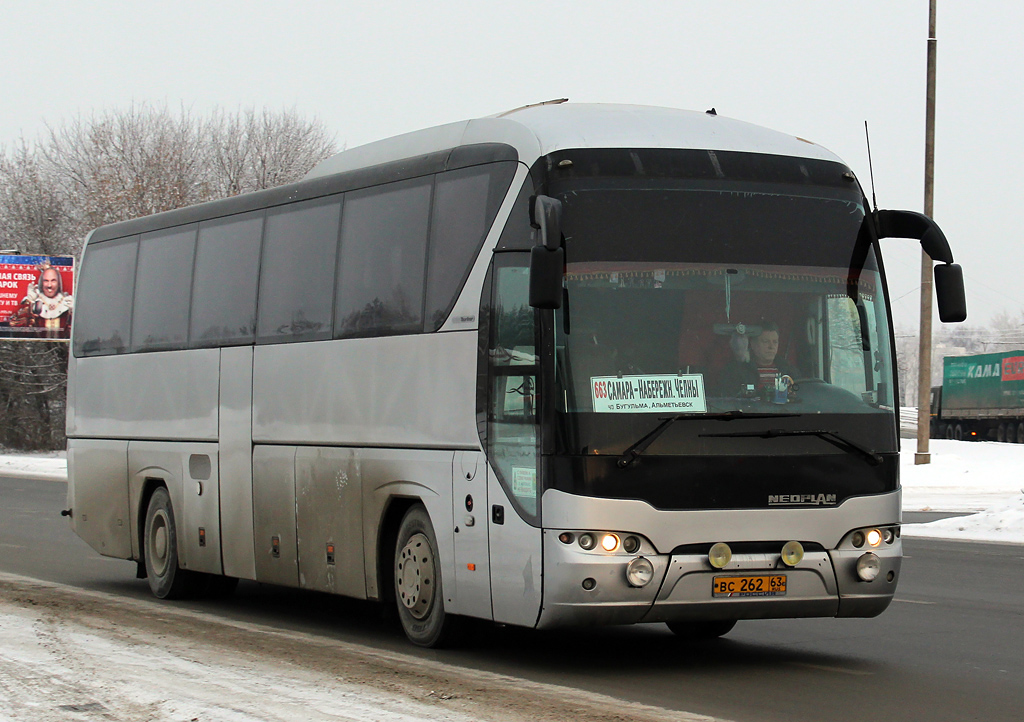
(416, 581)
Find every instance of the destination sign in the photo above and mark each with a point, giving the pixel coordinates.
(666, 393)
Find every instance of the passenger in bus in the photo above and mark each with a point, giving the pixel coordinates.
(756, 369)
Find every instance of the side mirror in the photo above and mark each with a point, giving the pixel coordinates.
(546, 277)
(909, 224)
(949, 277)
(949, 293)
(546, 215)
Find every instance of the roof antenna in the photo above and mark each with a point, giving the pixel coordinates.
(871, 169)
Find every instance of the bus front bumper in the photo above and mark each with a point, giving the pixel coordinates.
(584, 588)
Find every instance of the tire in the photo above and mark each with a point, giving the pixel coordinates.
(949, 432)
(958, 433)
(166, 579)
(1001, 433)
(419, 595)
(696, 631)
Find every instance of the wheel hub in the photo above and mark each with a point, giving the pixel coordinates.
(414, 576)
(158, 544)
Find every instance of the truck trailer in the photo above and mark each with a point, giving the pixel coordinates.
(981, 398)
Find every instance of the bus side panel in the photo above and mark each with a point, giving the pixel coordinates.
(98, 495)
(421, 475)
(162, 395)
(235, 421)
(189, 471)
(398, 391)
(273, 496)
(329, 521)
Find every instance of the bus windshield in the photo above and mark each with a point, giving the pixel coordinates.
(705, 298)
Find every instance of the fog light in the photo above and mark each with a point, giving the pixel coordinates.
(792, 553)
(874, 537)
(609, 542)
(867, 567)
(630, 544)
(587, 541)
(639, 572)
(719, 555)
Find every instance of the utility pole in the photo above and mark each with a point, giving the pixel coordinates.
(924, 366)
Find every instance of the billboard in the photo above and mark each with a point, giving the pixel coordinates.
(36, 297)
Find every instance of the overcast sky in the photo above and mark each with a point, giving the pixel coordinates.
(813, 68)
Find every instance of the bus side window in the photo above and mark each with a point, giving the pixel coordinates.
(224, 287)
(383, 253)
(465, 203)
(163, 282)
(103, 312)
(512, 435)
(297, 276)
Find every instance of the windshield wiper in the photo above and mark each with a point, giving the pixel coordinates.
(832, 437)
(640, 445)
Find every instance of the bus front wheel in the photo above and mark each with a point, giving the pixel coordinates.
(166, 579)
(419, 595)
(702, 630)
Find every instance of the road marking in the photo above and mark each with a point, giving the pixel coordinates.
(913, 601)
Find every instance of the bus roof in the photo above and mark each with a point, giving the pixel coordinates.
(541, 129)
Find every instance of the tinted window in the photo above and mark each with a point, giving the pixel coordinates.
(224, 290)
(465, 203)
(163, 282)
(103, 303)
(297, 275)
(383, 245)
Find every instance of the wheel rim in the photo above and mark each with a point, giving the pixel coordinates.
(414, 576)
(159, 548)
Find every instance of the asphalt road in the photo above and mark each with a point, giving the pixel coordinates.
(950, 647)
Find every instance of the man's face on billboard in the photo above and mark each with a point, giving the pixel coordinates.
(50, 283)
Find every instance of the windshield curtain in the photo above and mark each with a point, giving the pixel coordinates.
(699, 298)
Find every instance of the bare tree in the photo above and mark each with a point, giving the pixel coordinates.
(115, 166)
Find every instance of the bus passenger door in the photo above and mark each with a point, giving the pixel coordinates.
(469, 515)
(513, 515)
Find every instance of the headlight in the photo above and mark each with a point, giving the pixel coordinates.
(867, 567)
(630, 544)
(719, 555)
(874, 537)
(639, 572)
(587, 540)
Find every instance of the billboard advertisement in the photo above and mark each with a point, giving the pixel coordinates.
(36, 297)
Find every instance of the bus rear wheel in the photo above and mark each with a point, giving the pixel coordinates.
(701, 630)
(166, 579)
(419, 595)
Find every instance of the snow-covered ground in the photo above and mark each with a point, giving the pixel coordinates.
(982, 478)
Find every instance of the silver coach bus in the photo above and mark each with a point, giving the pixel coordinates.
(502, 369)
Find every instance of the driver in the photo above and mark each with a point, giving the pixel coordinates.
(762, 370)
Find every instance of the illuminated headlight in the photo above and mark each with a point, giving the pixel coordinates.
(639, 572)
(719, 555)
(609, 542)
(868, 566)
(874, 537)
(792, 553)
(587, 540)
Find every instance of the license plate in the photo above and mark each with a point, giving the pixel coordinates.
(762, 585)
